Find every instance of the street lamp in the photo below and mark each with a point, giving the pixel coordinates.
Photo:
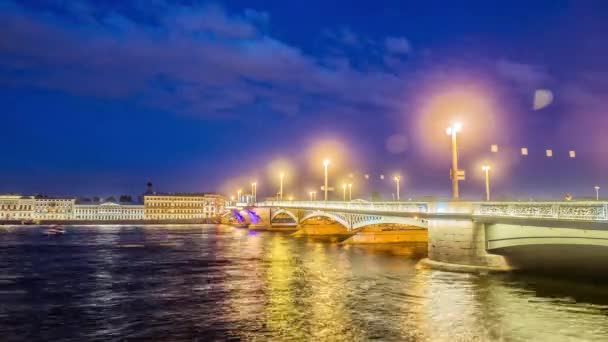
(397, 179)
(597, 192)
(350, 192)
(486, 169)
(311, 193)
(344, 192)
(254, 190)
(326, 164)
(282, 176)
(452, 131)
(238, 195)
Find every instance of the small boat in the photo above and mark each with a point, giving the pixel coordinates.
(55, 230)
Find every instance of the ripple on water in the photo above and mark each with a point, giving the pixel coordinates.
(209, 283)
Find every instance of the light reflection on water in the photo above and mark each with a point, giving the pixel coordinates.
(217, 282)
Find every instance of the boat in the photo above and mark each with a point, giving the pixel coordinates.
(55, 230)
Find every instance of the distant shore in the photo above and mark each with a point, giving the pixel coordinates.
(108, 222)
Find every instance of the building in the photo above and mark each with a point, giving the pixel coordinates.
(16, 207)
(48, 208)
(182, 206)
(108, 211)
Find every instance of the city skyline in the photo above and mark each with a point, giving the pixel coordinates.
(196, 96)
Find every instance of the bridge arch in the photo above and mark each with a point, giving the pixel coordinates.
(283, 211)
(356, 221)
(333, 216)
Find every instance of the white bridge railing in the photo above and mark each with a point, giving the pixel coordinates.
(564, 210)
(581, 211)
(413, 207)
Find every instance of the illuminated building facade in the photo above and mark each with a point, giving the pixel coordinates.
(16, 207)
(108, 212)
(182, 206)
(53, 208)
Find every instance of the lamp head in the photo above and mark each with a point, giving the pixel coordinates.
(457, 127)
(326, 162)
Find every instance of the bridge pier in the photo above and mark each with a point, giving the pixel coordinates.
(460, 246)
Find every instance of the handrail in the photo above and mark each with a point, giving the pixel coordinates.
(560, 210)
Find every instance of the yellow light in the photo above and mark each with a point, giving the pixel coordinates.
(343, 186)
(282, 175)
(326, 162)
(457, 127)
(290, 198)
(485, 168)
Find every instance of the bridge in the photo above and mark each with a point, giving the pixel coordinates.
(477, 235)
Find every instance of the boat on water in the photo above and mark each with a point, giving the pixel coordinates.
(55, 230)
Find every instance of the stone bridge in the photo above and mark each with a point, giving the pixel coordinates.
(488, 235)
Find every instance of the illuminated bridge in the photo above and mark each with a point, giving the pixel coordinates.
(491, 235)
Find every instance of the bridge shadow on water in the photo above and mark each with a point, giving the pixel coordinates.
(563, 261)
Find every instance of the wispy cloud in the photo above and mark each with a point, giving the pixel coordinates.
(210, 62)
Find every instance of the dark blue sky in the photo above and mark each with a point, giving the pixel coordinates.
(98, 97)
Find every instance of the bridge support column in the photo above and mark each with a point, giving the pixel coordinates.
(460, 246)
(262, 221)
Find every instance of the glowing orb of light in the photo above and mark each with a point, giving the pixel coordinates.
(542, 98)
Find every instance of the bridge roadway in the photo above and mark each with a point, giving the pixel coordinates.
(567, 235)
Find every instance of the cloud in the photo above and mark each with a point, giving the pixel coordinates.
(526, 75)
(201, 61)
(398, 45)
(344, 36)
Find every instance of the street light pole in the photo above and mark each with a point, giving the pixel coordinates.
(282, 175)
(452, 131)
(397, 179)
(238, 195)
(597, 193)
(254, 191)
(326, 164)
(344, 192)
(486, 169)
(310, 193)
(350, 192)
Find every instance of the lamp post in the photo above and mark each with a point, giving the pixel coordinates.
(344, 192)
(597, 192)
(254, 190)
(397, 180)
(311, 193)
(282, 176)
(350, 192)
(452, 131)
(325, 164)
(486, 169)
(238, 195)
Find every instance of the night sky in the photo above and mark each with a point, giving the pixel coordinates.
(99, 97)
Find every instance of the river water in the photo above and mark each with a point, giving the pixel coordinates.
(206, 283)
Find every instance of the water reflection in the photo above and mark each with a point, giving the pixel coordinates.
(218, 282)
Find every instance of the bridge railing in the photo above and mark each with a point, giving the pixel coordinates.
(581, 211)
(413, 207)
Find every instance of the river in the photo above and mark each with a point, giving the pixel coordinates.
(206, 283)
